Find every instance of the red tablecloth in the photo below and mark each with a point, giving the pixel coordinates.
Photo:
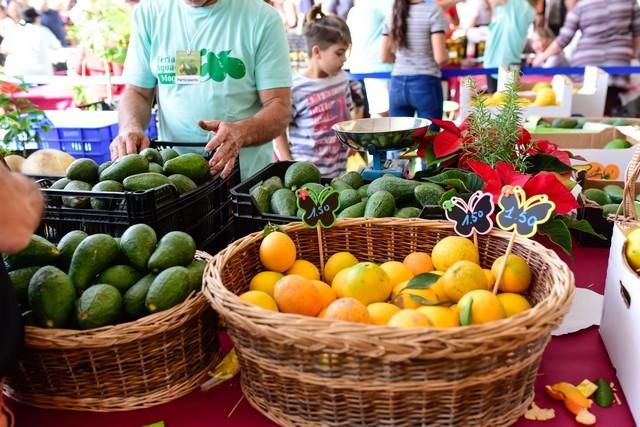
(568, 358)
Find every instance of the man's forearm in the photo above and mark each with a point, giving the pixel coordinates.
(134, 110)
(267, 124)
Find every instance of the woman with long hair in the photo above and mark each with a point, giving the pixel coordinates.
(414, 41)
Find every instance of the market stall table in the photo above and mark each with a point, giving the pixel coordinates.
(569, 358)
(49, 97)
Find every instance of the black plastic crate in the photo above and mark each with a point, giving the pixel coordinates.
(248, 217)
(600, 225)
(203, 213)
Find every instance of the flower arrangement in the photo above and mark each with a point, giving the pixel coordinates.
(497, 149)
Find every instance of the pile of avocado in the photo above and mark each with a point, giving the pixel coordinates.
(608, 198)
(87, 282)
(133, 172)
(576, 123)
(387, 196)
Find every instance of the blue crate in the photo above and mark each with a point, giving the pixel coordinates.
(92, 143)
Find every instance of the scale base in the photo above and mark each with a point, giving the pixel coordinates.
(391, 167)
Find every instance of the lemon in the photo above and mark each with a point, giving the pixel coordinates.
(409, 319)
(485, 306)
(440, 317)
(259, 298)
(305, 269)
(545, 97)
(491, 278)
(277, 252)
(397, 272)
(513, 304)
(337, 262)
(452, 249)
(327, 294)
(632, 249)
(367, 282)
(463, 277)
(338, 282)
(380, 312)
(265, 281)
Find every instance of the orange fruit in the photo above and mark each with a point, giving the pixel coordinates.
(405, 299)
(338, 282)
(327, 294)
(265, 281)
(491, 279)
(485, 306)
(462, 277)
(381, 312)
(513, 304)
(259, 298)
(517, 274)
(409, 319)
(367, 282)
(347, 309)
(297, 294)
(452, 249)
(337, 262)
(305, 269)
(418, 262)
(440, 317)
(397, 272)
(277, 252)
(438, 288)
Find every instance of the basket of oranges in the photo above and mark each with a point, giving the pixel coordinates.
(398, 326)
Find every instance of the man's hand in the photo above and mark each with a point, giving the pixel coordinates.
(128, 143)
(21, 206)
(538, 60)
(228, 140)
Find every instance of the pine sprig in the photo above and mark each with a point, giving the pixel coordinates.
(495, 138)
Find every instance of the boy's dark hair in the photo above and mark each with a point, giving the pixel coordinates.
(324, 30)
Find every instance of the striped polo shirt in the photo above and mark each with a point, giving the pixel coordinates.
(318, 104)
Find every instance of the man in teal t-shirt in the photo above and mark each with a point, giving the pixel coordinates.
(219, 66)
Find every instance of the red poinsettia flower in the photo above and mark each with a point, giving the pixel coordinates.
(540, 183)
(449, 140)
(546, 147)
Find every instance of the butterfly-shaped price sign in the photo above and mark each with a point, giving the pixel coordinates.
(470, 217)
(319, 208)
(523, 215)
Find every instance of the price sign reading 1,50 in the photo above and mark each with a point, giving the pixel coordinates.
(319, 211)
(472, 218)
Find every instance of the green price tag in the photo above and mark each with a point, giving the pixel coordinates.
(319, 208)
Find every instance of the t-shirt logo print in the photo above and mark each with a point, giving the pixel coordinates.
(221, 65)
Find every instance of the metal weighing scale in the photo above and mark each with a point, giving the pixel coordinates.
(383, 138)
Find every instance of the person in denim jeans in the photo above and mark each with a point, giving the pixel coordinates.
(414, 41)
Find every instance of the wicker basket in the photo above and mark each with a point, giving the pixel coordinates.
(306, 371)
(134, 365)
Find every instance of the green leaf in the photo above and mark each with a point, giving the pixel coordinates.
(547, 163)
(465, 313)
(422, 281)
(453, 178)
(474, 182)
(423, 301)
(558, 232)
(270, 228)
(582, 225)
(447, 196)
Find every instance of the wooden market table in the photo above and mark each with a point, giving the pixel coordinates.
(569, 358)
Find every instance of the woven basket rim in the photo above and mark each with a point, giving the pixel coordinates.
(122, 333)
(551, 308)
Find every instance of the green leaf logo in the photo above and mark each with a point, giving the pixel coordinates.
(221, 65)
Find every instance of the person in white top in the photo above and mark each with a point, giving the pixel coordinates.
(29, 47)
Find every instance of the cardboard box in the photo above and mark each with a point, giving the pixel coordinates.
(590, 145)
(591, 97)
(620, 324)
